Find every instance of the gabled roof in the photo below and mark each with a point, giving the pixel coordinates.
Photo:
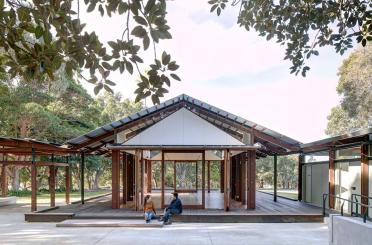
(183, 128)
(271, 142)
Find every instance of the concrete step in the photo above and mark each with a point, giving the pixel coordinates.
(110, 223)
(221, 218)
(48, 217)
(5, 201)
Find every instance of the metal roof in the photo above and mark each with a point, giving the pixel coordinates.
(228, 121)
(355, 137)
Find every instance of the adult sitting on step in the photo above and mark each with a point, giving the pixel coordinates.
(149, 209)
(175, 207)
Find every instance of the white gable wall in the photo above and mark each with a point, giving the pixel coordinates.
(183, 128)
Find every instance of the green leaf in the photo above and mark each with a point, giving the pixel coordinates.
(106, 65)
(39, 31)
(123, 7)
(108, 89)
(218, 11)
(155, 99)
(172, 66)
(140, 20)
(174, 76)
(149, 5)
(98, 88)
(138, 31)
(92, 6)
(100, 8)
(165, 58)
(146, 42)
(109, 82)
(129, 67)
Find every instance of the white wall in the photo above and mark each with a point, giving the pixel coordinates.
(347, 182)
(346, 231)
(316, 183)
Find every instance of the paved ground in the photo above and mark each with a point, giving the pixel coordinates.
(13, 230)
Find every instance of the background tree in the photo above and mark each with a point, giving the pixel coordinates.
(355, 86)
(57, 112)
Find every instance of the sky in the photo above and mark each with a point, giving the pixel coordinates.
(236, 70)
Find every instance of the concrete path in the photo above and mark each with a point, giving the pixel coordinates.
(13, 230)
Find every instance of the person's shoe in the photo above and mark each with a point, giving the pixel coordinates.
(148, 221)
(167, 222)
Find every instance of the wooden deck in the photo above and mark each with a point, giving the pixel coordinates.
(266, 211)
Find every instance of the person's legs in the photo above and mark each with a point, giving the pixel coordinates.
(167, 215)
(147, 216)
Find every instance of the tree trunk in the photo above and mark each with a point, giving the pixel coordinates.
(96, 180)
(15, 178)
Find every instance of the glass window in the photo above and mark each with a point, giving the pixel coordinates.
(348, 153)
(320, 156)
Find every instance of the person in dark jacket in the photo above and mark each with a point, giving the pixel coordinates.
(175, 207)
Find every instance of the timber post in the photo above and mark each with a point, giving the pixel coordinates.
(82, 168)
(33, 183)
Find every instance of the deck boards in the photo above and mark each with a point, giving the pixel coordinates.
(264, 205)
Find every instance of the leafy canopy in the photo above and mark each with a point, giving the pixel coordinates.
(304, 26)
(42, 37)
(355, 86)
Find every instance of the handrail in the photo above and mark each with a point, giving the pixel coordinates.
(364, 215)
(354, 196)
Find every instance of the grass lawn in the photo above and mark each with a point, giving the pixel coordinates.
(292, 194)
(60, 196)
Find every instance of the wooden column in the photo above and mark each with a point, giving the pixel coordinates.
(203, 179)
(33, 183)
(197, 176)
(299, 187)
(130, 177)
(52, 185)
(149, 176)
(115, 187)
(222, 176)
(243, 161)
(124, 175)
(227, 188)
(4, 182)
(175, 175)
(331, 173)
(137, 181)
(275, 177)
(82, 170)
(142, 179)
(209, 176)
(251, 202)
(68, 184)
(162, 179)
(364, 175)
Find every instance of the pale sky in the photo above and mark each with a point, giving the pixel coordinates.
(238, 71)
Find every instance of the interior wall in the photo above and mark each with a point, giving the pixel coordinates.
(347, 182)
(316, 183)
